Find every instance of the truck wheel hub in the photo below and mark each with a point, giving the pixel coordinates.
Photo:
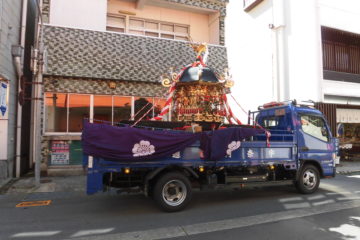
(174, 192)
(309, 179)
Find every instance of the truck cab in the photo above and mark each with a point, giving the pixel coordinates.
(314, 142)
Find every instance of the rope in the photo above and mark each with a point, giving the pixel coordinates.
(133, 117)
(231, 114)
(146, 113)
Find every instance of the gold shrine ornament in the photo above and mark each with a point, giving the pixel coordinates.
(229, 83)
(112, 84)
(166, 82)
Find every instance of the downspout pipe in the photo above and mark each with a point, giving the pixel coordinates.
(19, 72)
(280, 89)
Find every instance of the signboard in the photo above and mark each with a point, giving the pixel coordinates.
(60, 153)
(3, 100)
(4, 89)
(250, 4)
(347, 115)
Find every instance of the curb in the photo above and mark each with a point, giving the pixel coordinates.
(347, 172)
(4, 187)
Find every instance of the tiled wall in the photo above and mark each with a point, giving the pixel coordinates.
(105, 55)
(96, 86)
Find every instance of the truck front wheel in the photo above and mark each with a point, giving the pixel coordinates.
(172, 191)
(309, 179)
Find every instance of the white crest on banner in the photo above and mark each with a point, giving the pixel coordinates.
(144, 148)
(271, 153)
(176, 155)
(232, 147)
(250, 153)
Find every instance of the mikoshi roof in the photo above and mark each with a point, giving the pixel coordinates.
(191, 74)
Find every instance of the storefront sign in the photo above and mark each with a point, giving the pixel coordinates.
(250, 4)
(347, 115)
(3, 99)
(59, 153)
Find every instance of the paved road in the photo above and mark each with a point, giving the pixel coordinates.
(268, 213)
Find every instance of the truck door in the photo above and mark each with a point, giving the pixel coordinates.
(314, 141)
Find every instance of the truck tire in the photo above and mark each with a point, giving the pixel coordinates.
(309, 179)
(172, 192)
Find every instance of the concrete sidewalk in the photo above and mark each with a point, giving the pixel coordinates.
(347, 167)
(48, 184)
(78, 183)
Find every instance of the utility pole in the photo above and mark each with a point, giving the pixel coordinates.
(37, 69)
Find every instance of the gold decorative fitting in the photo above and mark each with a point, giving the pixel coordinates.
(199, 48)
(174, 76)
(166, 82)
(229, 83)
(112, 85)
(199, 101)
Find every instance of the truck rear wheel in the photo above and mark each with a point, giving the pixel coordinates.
(309, 179)
(172, 192)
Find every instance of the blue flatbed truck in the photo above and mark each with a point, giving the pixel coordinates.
(301, 152)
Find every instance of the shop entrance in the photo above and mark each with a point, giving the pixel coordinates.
(348, 132)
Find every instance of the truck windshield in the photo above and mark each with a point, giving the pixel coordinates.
(314, 126)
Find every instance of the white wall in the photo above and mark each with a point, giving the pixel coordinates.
(304, 54)
(343, 15)
(3, 139)
(274, 51)
(249, 46)
(342, 89)
(85, 14)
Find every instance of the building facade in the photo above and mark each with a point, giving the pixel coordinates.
(10, 23)
(305, 50)
(17, 36)
(105, 59)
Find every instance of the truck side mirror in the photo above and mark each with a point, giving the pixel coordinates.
(324, 132)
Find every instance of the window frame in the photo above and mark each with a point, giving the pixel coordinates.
(144, 30)
(91, 111)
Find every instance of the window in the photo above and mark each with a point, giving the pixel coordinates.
(122, 108)
(341, 51)
(270, 122)
(159, 103)
(65, 112)
(314, 126)
(116, 23)
(146, 27)
(56, 112)
(143, 108)
(79, 108)
(102, 108)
